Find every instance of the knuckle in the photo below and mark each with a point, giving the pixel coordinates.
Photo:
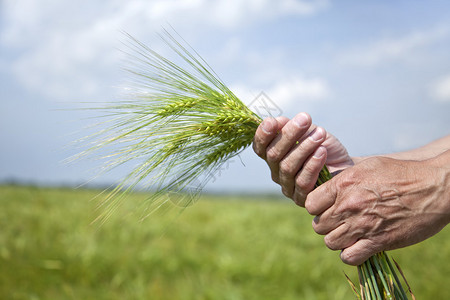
(310, 168)
(275, 177)
(286, 168)
(273, 155)
(352, 204)
(257, 149)
(315, 226)
(286, 192)
(309, 206)
(331, 243)
(288, 133)
(347, 179)
(320, 229)
(307, 145)
(344, 181)
(303, 184)
(299, 199)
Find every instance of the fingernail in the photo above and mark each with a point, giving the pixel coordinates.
(317, 134)
(267, 126)
(319, 152)
(301, 120)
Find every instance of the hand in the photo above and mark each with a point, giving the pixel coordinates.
(381, 204)
(296, 151)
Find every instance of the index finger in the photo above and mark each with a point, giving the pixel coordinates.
(266, 132)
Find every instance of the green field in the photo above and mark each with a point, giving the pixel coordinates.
(220, 248)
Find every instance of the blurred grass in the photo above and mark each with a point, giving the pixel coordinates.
(220, 248)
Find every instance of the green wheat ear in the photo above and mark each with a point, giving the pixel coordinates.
(180, 123)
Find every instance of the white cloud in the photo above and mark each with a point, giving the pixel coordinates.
(287, 92)
(67, 48)
(228, 14)
(389, 49)
(440, 89)
(43, 17)
(295, 89)
(234, 13)
(61, 50)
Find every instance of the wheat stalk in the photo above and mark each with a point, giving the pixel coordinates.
(181, 123)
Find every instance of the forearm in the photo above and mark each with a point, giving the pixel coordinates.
(428, 151)
(441, 163)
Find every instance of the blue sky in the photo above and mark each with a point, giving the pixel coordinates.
(374, 73)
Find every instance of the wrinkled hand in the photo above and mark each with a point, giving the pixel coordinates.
(296, 151)
(380, 204)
